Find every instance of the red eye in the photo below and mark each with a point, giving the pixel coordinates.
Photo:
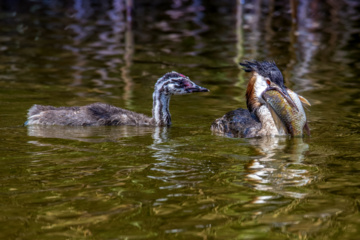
(186, 84)
(268, 82)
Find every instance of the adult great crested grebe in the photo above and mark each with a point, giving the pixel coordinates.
(100, 114)
(260, 119)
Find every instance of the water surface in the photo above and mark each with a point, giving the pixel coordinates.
(180, 182)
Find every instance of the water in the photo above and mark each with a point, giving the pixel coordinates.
(180, 182)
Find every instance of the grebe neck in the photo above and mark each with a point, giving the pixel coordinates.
(268, 127)
(160, 112)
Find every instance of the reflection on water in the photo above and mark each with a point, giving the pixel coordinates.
(88, 134)
(281, 169)
(106, 44)
(278, 168)
(179, 182)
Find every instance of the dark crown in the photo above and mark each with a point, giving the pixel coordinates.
(170, 75)
(265, 69)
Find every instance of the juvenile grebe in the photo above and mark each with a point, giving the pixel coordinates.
(101, 114)
(257, 120)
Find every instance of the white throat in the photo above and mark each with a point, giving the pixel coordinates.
(260, 86)
(268, 127)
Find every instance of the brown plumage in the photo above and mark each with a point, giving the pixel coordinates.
(252, 102)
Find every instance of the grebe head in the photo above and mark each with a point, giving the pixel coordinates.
(174, 83)
(266, 76)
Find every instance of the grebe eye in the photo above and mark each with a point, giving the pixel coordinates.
(268, 82)
(179, 84)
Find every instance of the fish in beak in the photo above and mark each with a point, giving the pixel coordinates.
(288, 119)
(283, 91)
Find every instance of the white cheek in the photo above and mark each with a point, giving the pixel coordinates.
(173, 90)
(181, 91)
(260, 87)
(171, 86)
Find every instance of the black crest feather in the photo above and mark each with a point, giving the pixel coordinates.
(266, 69)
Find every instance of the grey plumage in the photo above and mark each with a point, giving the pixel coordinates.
(101, 114)
(237, 123)
(96, 114)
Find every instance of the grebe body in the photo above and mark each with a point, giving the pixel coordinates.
(101, 114)
(258, 119)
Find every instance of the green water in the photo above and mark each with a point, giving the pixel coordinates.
(180, 182)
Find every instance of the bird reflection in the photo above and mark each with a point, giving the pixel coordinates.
(162, 151)
(102, 134)
(281, 167)
(160, 135)
(88, 134)
(171, 166)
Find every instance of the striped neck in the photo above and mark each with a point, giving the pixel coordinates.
(160, 112)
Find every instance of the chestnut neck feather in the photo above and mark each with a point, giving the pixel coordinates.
(260, 111)
(252, 101)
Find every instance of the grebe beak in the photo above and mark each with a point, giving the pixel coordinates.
(195, 88)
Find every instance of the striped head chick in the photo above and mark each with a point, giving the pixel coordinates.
(171, 83)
